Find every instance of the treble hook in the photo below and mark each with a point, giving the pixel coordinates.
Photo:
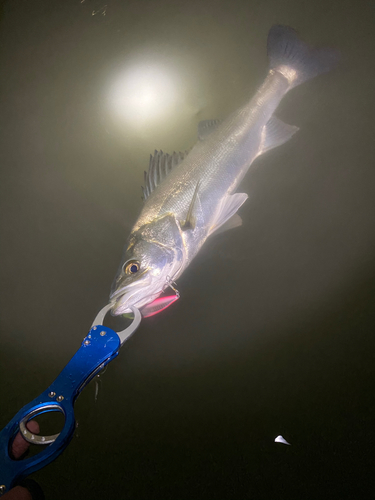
(171, 284)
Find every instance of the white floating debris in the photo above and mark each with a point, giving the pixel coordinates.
(280, 439)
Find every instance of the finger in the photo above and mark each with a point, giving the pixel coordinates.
(20, 445)
(17, 493)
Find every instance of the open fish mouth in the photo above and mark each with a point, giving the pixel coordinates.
(134, 295)
(143, 281)
(118, 293)
(120, 307)
(119, 303)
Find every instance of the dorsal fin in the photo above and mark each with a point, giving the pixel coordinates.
(206, 127)
(159, 167)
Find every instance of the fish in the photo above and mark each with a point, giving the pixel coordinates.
(191, 195)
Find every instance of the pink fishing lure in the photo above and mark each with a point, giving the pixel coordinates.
(158, 305)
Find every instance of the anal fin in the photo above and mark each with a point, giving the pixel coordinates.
(276, 132)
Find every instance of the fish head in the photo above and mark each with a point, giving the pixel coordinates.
(145, 269)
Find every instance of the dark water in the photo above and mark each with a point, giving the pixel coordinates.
(273, 333)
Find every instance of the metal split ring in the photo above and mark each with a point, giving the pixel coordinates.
(34, 438)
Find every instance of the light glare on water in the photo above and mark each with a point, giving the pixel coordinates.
(143, 93)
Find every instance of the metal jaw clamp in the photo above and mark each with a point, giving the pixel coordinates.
(98, 348)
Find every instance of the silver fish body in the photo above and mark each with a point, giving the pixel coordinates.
(187, 202)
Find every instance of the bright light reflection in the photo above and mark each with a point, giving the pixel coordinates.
(143, 93)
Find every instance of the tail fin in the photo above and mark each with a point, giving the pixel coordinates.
(296, 60)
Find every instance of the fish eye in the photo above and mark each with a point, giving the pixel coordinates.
(132, 267)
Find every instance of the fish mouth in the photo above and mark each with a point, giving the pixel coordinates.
(118, 306)
(142, 281)
(132, 294)
(118, 293)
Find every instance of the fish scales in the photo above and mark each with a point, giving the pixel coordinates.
(198, 196)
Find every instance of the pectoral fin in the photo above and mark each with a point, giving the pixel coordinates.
(227, 210)
(189, 222)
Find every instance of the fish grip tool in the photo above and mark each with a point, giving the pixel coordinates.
(100, 346)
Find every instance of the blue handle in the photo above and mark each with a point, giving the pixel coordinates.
(98, 348)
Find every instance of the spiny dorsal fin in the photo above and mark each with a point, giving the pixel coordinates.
(206, 127)
(159, 167)
(189, 222)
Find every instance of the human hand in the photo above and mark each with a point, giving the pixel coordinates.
(19, 449)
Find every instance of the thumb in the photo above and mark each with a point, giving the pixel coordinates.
(17, 493)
